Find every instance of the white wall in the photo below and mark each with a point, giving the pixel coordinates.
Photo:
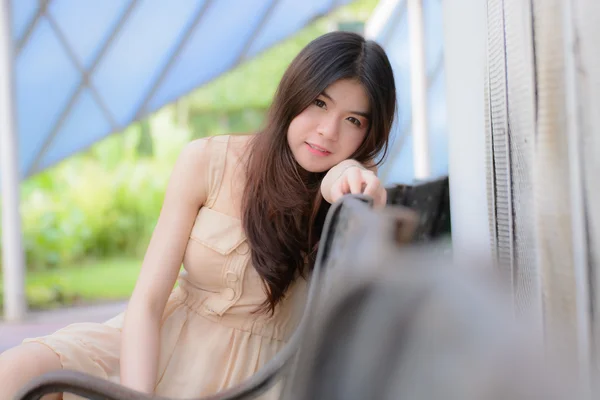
(464, 53)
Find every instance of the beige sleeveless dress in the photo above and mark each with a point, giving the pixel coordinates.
(210, 339)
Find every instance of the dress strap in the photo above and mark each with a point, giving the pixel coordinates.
(216, 168)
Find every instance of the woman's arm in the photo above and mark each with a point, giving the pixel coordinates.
(350, 176)
(185, 194)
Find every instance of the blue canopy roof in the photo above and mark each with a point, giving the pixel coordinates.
(85, 69)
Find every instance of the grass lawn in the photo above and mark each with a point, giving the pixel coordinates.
(106, 280)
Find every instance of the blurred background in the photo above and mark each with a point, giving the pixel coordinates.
(108, 92)
(497, 99)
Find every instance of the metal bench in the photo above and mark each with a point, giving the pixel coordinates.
(354, 236)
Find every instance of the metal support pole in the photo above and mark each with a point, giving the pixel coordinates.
(418, 81)
(13, 264)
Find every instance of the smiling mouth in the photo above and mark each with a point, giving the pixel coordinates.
(317, 149)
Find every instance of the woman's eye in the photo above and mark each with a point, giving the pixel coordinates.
(355, 121)
(320, 103)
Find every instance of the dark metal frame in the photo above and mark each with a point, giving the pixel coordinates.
(348, 217)
(353, 235)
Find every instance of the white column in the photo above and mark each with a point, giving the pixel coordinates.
(12, 249)
(418, 89)
(575, 125)
(464, 62)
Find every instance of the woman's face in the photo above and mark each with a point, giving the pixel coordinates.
(332, 128)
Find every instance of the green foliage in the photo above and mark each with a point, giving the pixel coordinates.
(95, 206)
(241, 121)
(107, 280)
(97, 215)
(145, 145)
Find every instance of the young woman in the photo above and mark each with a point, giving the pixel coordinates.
(243, 214)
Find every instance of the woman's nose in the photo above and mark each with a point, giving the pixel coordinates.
(329, 128)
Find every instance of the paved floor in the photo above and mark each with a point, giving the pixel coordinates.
(42, 323)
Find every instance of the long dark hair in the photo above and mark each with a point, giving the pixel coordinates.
(282, 208)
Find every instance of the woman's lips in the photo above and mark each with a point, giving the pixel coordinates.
(317, 150)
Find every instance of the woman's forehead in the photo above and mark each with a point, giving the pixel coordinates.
(348, 94)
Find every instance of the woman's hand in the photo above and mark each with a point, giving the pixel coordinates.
(356, 179)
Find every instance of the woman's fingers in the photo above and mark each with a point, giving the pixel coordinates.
(355, 180)
(358, 181)
(372, 185)
(337, 191)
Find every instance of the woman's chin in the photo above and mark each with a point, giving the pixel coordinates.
(314, 164)
(314, 168)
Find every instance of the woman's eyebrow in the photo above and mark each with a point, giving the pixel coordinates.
(324, 94)
(362, 114)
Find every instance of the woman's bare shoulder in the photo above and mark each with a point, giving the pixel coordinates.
(239, 143)
(199, 152)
